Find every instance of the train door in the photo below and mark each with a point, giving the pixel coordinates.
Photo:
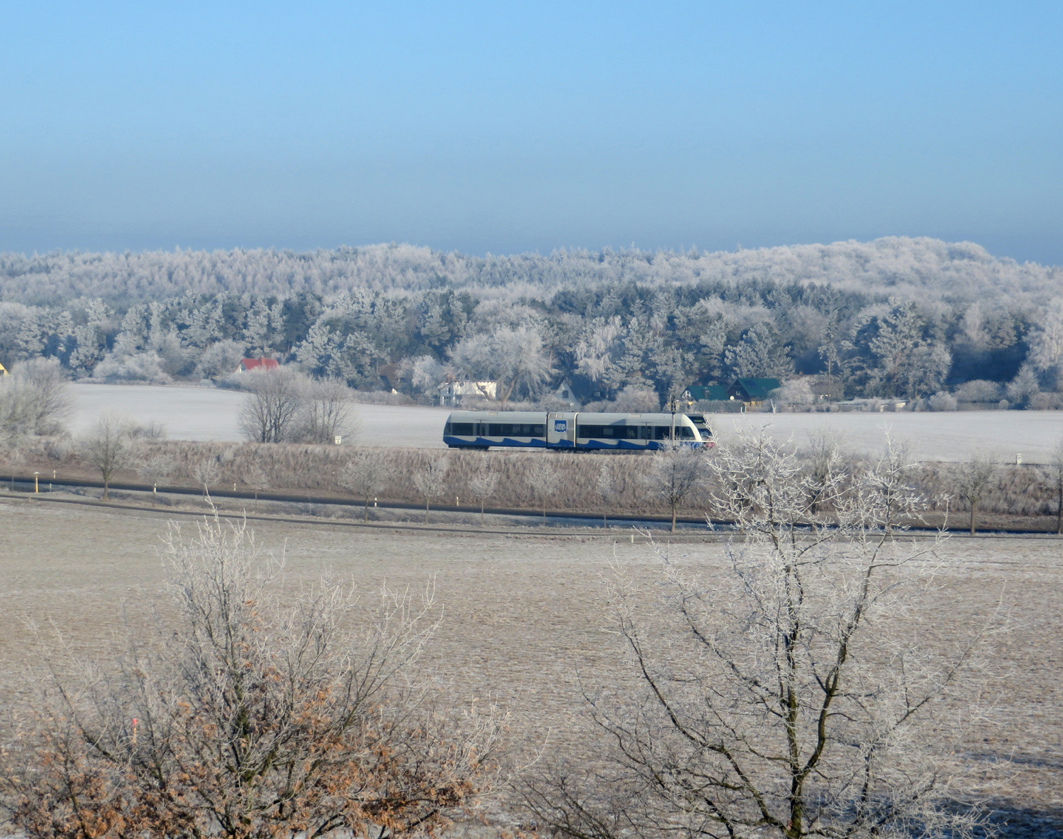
(561, 430)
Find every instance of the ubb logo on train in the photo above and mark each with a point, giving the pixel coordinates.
(561, 425)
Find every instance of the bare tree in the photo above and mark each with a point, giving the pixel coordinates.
(544, 479)
(15, 456)
(274, 399)
(109, 447)
(16, 415)
(36, 399)
(256, 478)
(674, 473)
(825, 460)
(247, 718)
(431, 481)
(607, 490)
(774, 700)
(156, 469)
(891, 481)
(972, 482)
(363, 476)
(206, 472)
(151, 430)
(327, 412)
(483, 485)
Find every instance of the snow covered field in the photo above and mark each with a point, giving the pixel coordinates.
(202, 413)
(196, 413)
(524, 616)
(955, 435)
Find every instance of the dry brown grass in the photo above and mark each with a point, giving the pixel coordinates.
(1015, 491)
(317, 468)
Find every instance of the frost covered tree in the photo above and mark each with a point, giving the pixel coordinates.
(674, 473)
(206, 473)
(431, 481)
(973, 479)
(544, 479)
(109, 446)
(363, 476)
(483, 485)
(607, 489)
(326, 413)
(256, 478)
(760, 354)
(154, 470)
(517, 359)
(220, 359)
(1023, 387)
(905, 362)
(35, 400)
(1045, 343)
(425, 373)
(270, 412)
(597, 350)
(779, 695)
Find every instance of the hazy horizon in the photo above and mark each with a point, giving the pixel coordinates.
(537, 253)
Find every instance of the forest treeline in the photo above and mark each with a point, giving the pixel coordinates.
(915, 319)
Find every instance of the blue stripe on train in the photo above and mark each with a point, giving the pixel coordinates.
(483, 442)
(540, 443)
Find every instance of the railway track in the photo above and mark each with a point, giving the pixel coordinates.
(528, 519)
(688, 525)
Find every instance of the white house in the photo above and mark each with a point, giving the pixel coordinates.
(453, 393)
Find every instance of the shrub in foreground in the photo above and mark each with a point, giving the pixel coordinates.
(248, 719)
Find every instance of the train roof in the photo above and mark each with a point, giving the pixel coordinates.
(499, 416)
(538, 416)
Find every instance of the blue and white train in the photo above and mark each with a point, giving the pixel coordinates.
(573, 430)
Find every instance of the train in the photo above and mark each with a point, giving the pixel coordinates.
(574, 431)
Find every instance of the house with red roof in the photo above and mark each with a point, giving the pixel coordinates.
(249, 364)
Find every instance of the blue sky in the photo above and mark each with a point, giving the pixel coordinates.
(508, 127)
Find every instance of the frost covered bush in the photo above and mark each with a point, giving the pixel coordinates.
(942, 401)
(140, 367)
(796, 392)
(1045, 402)
(978, 390)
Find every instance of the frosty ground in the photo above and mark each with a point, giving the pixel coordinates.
(195, 413)
(524, 614)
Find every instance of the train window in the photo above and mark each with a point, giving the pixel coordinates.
(684, 432)
(463, 429)
(515, 429)
(608, 432)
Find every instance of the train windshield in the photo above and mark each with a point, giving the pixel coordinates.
(700, 424)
